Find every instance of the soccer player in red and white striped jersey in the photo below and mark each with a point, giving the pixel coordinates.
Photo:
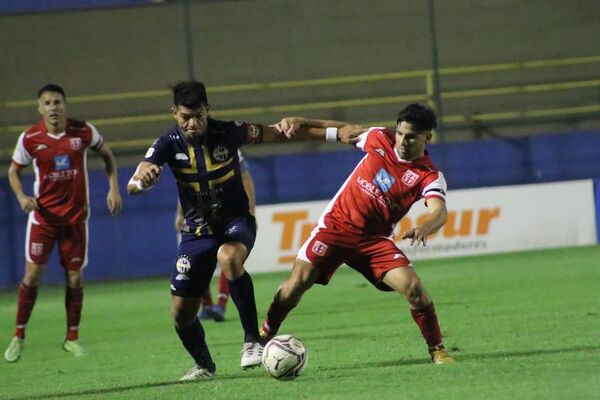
(357, 226)
(58, 209)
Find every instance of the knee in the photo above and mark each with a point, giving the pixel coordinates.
(74, 280)
(231, 262)
(180, 318)
(416, 295)
(32, 278)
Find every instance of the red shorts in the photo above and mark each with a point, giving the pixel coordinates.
(72, 244)
(373, 257)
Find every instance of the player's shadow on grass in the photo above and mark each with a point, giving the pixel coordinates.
(120, 389)
(466, 357)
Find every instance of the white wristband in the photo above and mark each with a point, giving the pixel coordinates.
(331, 134)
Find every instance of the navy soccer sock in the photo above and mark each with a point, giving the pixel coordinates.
(242, 294)
(192, 338)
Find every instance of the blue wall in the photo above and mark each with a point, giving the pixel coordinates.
(141, 240)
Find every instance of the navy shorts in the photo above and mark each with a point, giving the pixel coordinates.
(197, 256)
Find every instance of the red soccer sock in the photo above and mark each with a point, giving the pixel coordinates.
(73, 304)
(275, 316)
(26, 300)
(223, 290)
(427, 321)
(206, 299)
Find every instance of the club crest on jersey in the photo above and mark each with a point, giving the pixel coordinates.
(220, 153)
(410, 178)
(384, 180)
(37, 249)
(61, 162)
(75, 143)
(319, 248)
(183, 265)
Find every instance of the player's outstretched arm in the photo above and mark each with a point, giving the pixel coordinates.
(114, 201)
(145, 176)
(27, 203)
(434, 221)
(319, 129)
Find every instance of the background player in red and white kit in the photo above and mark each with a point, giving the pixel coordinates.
(357, 225)
(58, 210)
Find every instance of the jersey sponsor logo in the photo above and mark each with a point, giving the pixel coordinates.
(410, 178)
(380, 151)
(149, 152)
(220, 153)
(75, 144)
(183, 265)
(61, 162)
(369, 187)
(384, 180)
(319, 248)
(181, 156)
(37, 249)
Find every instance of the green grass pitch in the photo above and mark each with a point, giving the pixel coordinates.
(520, 325)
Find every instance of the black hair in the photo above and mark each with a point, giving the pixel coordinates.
(191, 94)
(421, 117)
(51, 87)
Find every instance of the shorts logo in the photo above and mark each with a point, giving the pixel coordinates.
(319, 248)
(220, 153)
(61, 162)
(75, 144)
(384, 180)
(183, 266)
(37, 249)
(409, 178)
(397, 256)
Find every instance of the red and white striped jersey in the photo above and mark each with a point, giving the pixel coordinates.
(381, 189)
(59, 163)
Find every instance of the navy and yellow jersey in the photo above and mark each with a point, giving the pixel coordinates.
(207, 172)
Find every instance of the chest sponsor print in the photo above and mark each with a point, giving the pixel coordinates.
(384, 180)
(61, 162)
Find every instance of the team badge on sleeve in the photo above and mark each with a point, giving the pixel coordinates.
(255, 133)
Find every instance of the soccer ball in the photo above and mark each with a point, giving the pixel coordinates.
(284, 357)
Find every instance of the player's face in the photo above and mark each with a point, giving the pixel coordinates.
(53, 108)
(410, 144)
(192, 121)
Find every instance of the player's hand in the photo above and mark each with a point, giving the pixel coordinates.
(288, 126)
(350, 133)
(148, 174)
(28, 204)
(179, 222)
(418, 235)
(114, 201)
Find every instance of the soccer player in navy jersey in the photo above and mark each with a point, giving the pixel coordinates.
(358, 223)
(210, 310)
(202, 154)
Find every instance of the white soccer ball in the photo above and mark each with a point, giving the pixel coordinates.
(284, 357)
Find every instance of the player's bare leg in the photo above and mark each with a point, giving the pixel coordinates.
(231, 257)
(26, 301)
(73, 306)
(302, 277)
(191, 333)
(405, 281)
